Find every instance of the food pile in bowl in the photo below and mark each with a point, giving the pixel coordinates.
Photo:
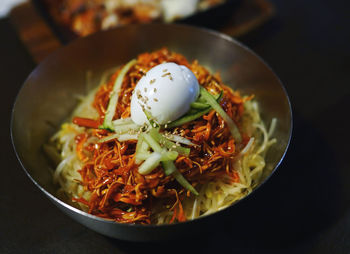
(84, 17)
(160, 140)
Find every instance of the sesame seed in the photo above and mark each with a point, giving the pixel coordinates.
(155, 99)
(152, 81)
(155, 90)
(166, 74)
(165, 126)
(165, 70)
(145, 89)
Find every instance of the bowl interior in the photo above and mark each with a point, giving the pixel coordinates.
(50, 93)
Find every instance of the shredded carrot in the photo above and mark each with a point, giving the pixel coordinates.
(119, 192)
(86, 122)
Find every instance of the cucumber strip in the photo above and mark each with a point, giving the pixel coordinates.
(182, 180)
(194, 114)
(216, 106)
(180, 139)
(167, 143)
(145, 147)
(199, 105)
(169, 167)
(151, 163)
(142, 148)
(108, 138)
(121, 129)
(139, 144)
(203, 105)
(142, 156)
(152, 143)
(219, 96)
(120, 137)
(122, 121)
(150, 119)
(126, 137)
(188, 118)
(169, 156)
(107, 123)
(165, 156)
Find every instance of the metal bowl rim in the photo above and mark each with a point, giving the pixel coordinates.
(179, 26)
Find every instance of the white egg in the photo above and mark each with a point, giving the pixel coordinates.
(166, 91)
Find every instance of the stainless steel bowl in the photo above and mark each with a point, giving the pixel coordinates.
(48, 97)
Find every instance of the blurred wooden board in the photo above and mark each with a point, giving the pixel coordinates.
(34, 32)
(40, 40)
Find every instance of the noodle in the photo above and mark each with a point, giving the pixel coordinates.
(99, 171)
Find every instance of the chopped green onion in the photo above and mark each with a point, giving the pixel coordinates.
(107, 123)
(151, 163)
(216, 106)
(167, 143)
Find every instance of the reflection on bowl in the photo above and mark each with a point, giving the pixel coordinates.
(47, 98)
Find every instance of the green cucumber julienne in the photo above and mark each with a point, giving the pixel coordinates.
(167, 143)
(113, 101)
(216, 106)
(198, 109)
(168, 165)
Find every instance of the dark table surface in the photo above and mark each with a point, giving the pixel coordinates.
(305, 206)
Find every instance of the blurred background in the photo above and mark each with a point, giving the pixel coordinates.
(305, 206)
